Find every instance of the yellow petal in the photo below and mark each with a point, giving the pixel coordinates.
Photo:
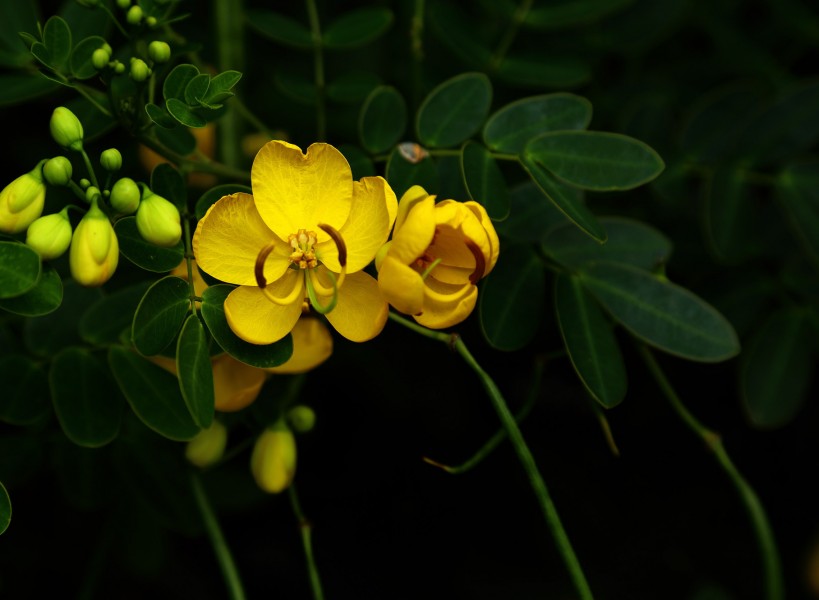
(411, 240)
(401, 286)
(312, 345)
(361, 311)
(446, 305)
(367, 227)
(491, 234)
(408, 200)
(456, 225)
(228, 240)
(235, 384)
(256, 319)
(298, 191)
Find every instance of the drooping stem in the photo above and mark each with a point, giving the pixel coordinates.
(229, 21)
(318, 67)
(217, 540)
(189, 165)
(306, 538)
(509, 35)
(525, 457)
(774, 586)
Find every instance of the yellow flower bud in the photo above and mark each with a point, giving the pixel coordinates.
(158, 220)
(94, 249)
(58, 170)
(100, 58)
(22, 201)
(273, 462)
(125, 196)
(66, 128)
(50, 235)
(139, 70)
(134, 15)
(159, 52)
(111, 159)
(208, 446)
(302, 418)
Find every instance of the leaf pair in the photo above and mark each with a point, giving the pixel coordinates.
(192, 98)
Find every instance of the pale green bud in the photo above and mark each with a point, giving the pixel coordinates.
(50, 235)
(119, 68)
(21, 201)
(111, 159)
(91, 193)
(302, 418)
(58, 170)
(158, 220)
(125, 196)
(151, 22)
(134, 15)
(139, 70)
(84, 183)
(100, 59)
(273, 462)
(159, 52)
(208, 446)
(123, 4)
(108, 49)
(94, 249)
(66, 128)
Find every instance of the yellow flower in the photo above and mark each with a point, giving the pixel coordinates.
(437, 254)
(22, 201)
(94, 250)
(306, 233)
(273, 462)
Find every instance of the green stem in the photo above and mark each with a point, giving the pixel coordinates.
(81, 90)
(217, 540)
(509, 35)
(189, 165)
(417, 51)
(243, 111)
(229, 18)
(189, 260)
(318, 64)
(78, 191)
(774, 585)
(525, 457)
(90, 168)
(114, 19)
(306, 537)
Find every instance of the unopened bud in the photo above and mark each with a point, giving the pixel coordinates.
(158, 220)
(21, 201)
(119, 68)
(84, 183)
(151, 22)
(111, 159)
(125, 196)
(134, 15)
(50, 235)
(100, 59)
(92, 193)
(58, 170)
(94, 249)
(159, 52)
(302, 418)
(139, 70)
(273, 462)
(66, 128)
(123, 4)
(208, 446)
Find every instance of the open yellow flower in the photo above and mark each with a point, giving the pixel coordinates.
(305, 234)
(437, 254)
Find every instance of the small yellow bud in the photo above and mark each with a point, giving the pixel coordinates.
(273, 462)
(50, 235)
(139, 70)
(125, 196)
(302, 418)
(159, 52)
(134, 15)
(208, 446)
(66, 128)
(21, 201)
(100, 58)
(94, 249)
(158, 220)
(58, 170)
(111, 159)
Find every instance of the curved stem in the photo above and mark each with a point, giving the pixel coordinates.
(90, 168)
(229, 18)
(306, 537)
(509, 35)
(318, 64)
(217, 540)
(189, 165)
(525, 457)
(774, 585)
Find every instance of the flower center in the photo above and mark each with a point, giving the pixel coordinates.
(303, 255)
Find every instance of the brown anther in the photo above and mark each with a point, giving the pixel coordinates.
(480, 261)
(258, 269)
(339, 241)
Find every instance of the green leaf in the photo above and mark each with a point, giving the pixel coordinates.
(728, 214)
(16, 18)
(531, 216)
(43, 298)
(94, 122)
(456, 30)
(160, 315)
(167, 181)
(47, 335)
(5, 509)
(512, 297)
(484, 180)
(798, 193)
(297, 85)
(545, 71)
(595, 160)
(454, 111)
(153, 394)
(81, 65)
(178, 139)
(25, 399)
(629, 242)
(590, 342)
(144, 254)
(776, 369)
(19, 269)
(357, 28)
(402, 173)
(197, 88)
(106, 319)
(184, 113)
(85, 398)
(57, 39)
(511, 127)
(352, 87)
(564, 200)
(213, 311)
(383, 119)
(161, 117)
(214, 194)
(279, 28)
(563, 14)
(41, 53)
(220, 86)
(661, 313)
(16, 88)
(177, 81)
(194, 371)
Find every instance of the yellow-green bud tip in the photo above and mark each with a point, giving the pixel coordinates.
(158, 220)
(123, 4)
(139, 70)
(91, 194)
(134, 15)
(50, 235)
(111, 159)
(21, 201)
(58, 170)
(94, 249)
(273, 462)
(66, 128)
(208, 446)
(100, 59)
(159, 52)
(151, 22)
(302, 418)
(125, 196)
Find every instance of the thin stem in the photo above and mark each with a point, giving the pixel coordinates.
(114, 19)
(417, 50)
(306, 538)
(90, 168)
(525, 457)
(243, 111)
(318, 64)
(509, 35)
(81, 89)
(189, 261)
(201, 166)
(229, 19)
(217, 540)
(78, 191)
(774, 585)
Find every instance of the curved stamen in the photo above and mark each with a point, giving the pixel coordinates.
(480, 260)
(431, 266)
(292, 297)
(311, 293)
(321, 289)
(339, 242)
(258, 269)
